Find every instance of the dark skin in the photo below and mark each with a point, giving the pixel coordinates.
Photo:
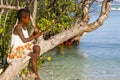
(36, 49)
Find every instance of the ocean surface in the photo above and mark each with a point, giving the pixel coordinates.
(97, 57)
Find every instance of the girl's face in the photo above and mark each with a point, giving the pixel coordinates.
(26, 20)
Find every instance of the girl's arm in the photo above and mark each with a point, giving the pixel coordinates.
(35, 33)
(36, 30)
(19, 32)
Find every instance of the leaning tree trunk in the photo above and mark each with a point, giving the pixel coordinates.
(78, 29)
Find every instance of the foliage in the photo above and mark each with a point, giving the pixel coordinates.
(54, 15)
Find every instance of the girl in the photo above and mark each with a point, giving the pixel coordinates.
(21, 42)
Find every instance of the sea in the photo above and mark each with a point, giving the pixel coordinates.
(97, 57)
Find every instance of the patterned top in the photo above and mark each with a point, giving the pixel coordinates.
(18, 48)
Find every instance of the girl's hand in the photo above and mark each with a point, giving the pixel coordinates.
(36, 29)
(38, 33)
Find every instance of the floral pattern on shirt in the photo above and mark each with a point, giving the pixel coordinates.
(18, 52)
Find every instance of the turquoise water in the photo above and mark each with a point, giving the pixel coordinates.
(97, 57)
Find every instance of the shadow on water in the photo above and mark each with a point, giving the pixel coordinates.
(68, 63)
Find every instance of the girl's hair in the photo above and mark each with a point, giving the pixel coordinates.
(22, 13)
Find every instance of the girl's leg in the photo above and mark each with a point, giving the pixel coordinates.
(34, 57)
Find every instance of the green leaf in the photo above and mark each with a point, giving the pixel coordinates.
(2, 30)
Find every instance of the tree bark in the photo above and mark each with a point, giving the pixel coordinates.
(78, 29)
(10, 7)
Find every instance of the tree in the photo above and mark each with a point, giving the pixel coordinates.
(55, 12)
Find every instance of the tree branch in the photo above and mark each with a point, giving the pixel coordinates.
(86, 16)
(10, 7)
(33, 17)
(103, 10)
(103, 16)
(2, 11)
(11, 71)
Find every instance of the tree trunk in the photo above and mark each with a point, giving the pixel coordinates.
(78, 29)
